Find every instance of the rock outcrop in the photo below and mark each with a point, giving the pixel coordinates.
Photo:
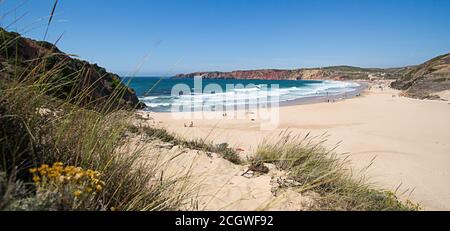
(425, 80)
(28, 60)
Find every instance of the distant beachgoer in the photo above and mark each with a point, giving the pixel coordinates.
(191, 125)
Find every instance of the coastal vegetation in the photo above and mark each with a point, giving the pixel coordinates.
(425, 80)
(60, 112)
(161, 134)
(322, 171)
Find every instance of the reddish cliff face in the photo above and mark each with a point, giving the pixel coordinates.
(259, 74)
(263, 74)
(336, 73)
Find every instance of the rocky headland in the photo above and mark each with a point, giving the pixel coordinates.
(430, 80)
(21, 58)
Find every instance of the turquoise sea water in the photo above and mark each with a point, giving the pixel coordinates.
(168, 94)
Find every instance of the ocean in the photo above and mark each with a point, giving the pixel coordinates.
(170, 94)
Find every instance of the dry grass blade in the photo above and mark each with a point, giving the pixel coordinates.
(50, 19)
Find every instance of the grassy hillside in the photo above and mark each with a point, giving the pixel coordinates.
(62, 128)
(86, 84)
(424, 80)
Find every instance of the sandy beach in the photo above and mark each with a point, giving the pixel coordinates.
(408, 139)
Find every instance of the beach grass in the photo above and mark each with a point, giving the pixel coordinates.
(48, 122)
(322, 171)
(151, 132)
(35, 132)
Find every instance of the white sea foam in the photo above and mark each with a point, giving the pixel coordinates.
(251, 95)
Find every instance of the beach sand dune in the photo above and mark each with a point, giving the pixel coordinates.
(215, 184)
(409, 138)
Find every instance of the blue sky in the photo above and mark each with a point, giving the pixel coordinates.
(166, 37)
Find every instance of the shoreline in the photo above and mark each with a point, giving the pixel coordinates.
(407, 136)
(359, 91)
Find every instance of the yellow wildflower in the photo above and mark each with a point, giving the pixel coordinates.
(58, 164)
(36, 179)
(78, 176)
(43, 167)
(77, 193)
(60, 177)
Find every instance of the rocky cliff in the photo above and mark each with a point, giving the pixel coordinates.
(426, 80)
(337, 72)
(28, 60)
